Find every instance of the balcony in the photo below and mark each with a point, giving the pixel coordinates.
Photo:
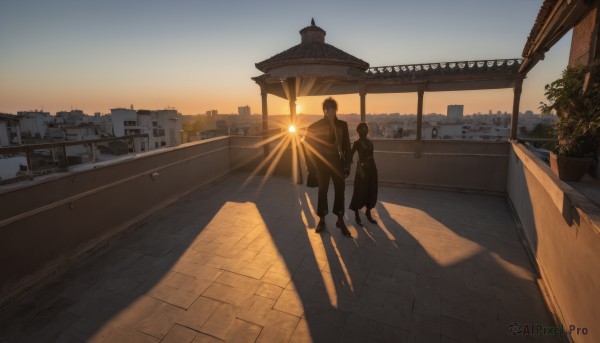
(473, 239)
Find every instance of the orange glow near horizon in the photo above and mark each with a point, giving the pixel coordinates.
(188, 103)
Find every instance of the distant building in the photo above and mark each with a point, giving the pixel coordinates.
(244, 110)
(455, 112)
(104, 123)
(163, 127)
(212, 113)
(124, 121)
(34, 123)
(81, 132)
(10, 130)
(70, 118)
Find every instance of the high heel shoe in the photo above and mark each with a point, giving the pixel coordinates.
(357, 218)
(370, 218)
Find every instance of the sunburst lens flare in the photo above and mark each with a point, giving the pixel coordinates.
(292, 129)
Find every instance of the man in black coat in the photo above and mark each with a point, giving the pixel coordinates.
(329, 156)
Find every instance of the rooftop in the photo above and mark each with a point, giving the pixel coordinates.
(239, 261)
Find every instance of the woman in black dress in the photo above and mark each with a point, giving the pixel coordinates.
(365, 180)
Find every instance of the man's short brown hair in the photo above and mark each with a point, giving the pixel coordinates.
(330, 103)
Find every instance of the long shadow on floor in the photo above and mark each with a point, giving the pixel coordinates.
(229, 263)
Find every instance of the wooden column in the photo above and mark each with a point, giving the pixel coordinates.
(515, 114)
(363, 105)
(291, 83)
(265, 119)
(420, 93)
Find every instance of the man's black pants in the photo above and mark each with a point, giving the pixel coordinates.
(336, 174)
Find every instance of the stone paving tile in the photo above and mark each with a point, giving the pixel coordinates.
(228, 294)
(280, 329)
(247, 269)
(204, 338)
(457, 329)
(239, 265)
(186, 283)
(174, 296)
(289, 302)
(120, 334)
(179, 334)
(427, 301)
(276, 279)
(268, 290)
(387, 333)
(237, 280)
(221, 322)
(244, 332)
(159, 322)
(197, 314)
(360, 325)
(256, 310)
(353, 337)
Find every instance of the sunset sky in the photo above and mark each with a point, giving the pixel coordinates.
(197, 55)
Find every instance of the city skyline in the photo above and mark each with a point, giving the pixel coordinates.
(194, 57)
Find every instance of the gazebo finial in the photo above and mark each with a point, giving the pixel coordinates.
(312, 22)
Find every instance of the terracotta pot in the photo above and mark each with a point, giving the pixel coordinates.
(569, 168)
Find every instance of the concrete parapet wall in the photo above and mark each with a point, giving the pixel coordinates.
(245, 152)
(44, 225)
(562, 234)
(453, 165)
(456, 165)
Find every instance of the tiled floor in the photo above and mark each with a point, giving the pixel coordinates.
(243, 264)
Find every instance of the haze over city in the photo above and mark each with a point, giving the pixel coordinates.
(196, 55)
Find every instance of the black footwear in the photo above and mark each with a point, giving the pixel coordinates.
(321, 226)
(369, 218)
(357, 218)
(342, 226)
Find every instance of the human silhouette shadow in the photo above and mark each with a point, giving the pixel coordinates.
(388, 283)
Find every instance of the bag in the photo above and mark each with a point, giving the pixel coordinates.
(311, 180)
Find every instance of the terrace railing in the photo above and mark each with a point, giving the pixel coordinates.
(55, 156)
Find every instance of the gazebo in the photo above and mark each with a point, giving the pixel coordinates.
(314, 67)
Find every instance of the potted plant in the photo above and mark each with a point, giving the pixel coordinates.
(575, 97)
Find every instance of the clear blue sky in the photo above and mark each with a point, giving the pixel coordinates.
(200, 55)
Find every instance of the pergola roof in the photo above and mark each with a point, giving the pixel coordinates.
(431, 77)
(312, 53)
(554, 20)
(312, 50)
(316, 68)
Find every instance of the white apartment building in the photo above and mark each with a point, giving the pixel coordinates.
(10, 130)
(455, 112)
(163, 127)
(244, 110)
(124, 121)
(104, 123)
(73, 117)
(34, 123)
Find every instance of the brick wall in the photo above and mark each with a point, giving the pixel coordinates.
(581, 42)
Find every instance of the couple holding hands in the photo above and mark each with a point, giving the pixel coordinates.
(329, 156)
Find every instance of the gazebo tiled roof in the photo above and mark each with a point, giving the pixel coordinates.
(312, 50)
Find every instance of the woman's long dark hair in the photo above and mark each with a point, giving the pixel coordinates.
(360, 126)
